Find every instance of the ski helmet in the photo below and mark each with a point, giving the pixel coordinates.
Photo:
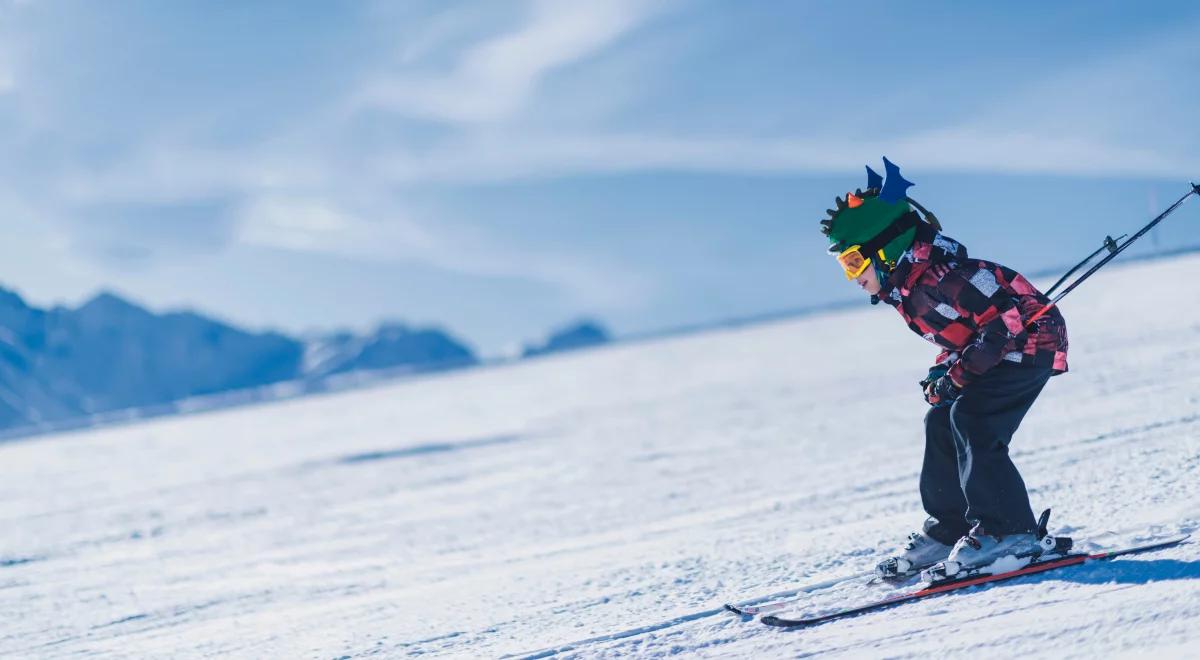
(879, 219)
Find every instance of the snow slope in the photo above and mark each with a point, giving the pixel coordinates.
(608, 502)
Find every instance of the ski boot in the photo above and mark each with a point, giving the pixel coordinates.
(981, 553)
(918, 553)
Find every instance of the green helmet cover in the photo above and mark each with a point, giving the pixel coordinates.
(858, 225)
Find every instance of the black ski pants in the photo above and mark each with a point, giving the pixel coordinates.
(968, 477)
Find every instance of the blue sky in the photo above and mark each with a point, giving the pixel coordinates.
(502, 167)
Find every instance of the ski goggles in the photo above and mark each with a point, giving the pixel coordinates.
(853, 261)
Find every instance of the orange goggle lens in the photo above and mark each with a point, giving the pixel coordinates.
(853, 261)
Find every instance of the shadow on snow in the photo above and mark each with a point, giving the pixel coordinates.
(1139, 571)
(426, 449)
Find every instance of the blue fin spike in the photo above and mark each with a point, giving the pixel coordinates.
(895, 188)
(873, 179)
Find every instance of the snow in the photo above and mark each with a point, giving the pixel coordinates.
(608, 502)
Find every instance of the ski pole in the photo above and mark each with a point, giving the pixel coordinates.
(1110, 244)
(1113, 252)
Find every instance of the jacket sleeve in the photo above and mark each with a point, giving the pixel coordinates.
(990, 307)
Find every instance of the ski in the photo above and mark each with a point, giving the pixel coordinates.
(786, 599)
(781, 600)
(956, 583)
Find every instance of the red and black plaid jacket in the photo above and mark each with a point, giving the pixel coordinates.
(975, 310)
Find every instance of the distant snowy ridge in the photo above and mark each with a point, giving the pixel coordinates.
(584, 333)
(390, 346)
(113, 359)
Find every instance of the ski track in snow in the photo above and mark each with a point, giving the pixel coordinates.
(607, 503)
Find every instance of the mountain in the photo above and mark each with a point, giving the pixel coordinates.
(581, 334)
(110, 354)
(392, 346)
(120, 355)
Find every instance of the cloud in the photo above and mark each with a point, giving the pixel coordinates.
(1116, 95)
(298, 199)
(1103, 117)
(1095, 119)
(516, 157)
(1031, 130)
(494, 80)
(163, 173)
(133, 234)
(322, 226)
(319, 225)
(166, 170)
(1013, 150)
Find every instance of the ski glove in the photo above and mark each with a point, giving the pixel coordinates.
(935, 372)
(942, 391)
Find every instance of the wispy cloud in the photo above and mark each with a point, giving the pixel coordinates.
(167, 169)
(1087, 120)
(516, 157)
(1032, 129)
(1013, 150)
(1100, 117)
(319, 225)
(494, 80)
(323, 226)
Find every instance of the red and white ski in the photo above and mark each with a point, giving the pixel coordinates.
(977, 578)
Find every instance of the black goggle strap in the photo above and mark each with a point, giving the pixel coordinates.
(871, 248)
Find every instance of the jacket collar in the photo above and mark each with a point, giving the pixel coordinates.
(929, 247)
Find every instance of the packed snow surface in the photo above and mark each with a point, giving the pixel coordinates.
(607, 503)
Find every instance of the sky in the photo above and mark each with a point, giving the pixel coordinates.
(502, 168)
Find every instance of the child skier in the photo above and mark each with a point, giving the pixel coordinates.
(992, 367)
